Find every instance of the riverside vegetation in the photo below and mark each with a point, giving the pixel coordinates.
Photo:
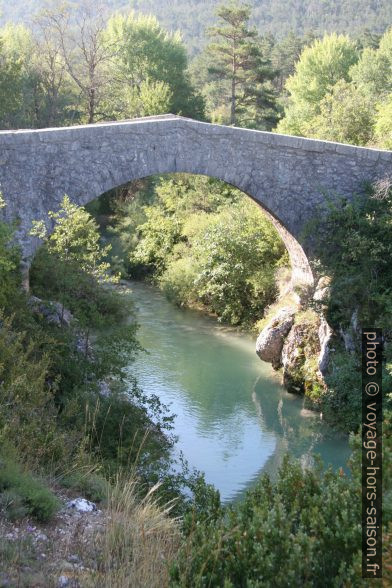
(72, 417)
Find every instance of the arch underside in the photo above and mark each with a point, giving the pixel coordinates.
(301, 273)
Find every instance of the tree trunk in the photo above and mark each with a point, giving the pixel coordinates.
(233, 87)
(233, 102)
(91, 106)
(86, 343)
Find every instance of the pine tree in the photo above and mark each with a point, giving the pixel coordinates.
(236, 58)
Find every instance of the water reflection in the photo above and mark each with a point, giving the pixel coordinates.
(234, 419)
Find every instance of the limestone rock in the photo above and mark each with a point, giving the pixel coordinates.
(300, 354)
(351, 336)
(53, 312)
(270, 342)
(325, 335)
(293, 359)
(323, 290)
(82, 505)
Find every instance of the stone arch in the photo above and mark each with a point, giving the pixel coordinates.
(289, 177)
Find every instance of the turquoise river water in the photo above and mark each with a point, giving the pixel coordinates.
(234, 419)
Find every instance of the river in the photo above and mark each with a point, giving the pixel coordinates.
(234, 419)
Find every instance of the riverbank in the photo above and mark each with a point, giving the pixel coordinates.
(233, 416)
(64, 429)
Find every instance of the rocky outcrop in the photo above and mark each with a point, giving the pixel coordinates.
(293, 359)
(270, 342)
(82, 505)
(322, 291)
(352, 335)
(61, 553)
(56, 314)
(325, 336)
(52, 312)
(298, 341)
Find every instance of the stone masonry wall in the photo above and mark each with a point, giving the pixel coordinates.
(290, 177)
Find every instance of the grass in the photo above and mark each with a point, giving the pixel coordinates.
(131, 543)
(138, 541)
(89, 483)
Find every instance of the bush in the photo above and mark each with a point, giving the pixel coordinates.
(357, 258)
(282, 534)
(28, 414)
(92, 485)
(341, 403)
(178, 282)
(22, 495)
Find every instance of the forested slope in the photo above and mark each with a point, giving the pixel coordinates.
(275, 16)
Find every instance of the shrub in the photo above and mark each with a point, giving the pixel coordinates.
(28, 415)
(357, 258)
(282, 534)
(92, 485)
(22, 495)
(341, 403)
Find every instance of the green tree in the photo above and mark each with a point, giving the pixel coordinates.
(346, 115)
(373, 72)
(174, 200)
(150, 69)
(11, 95)
(238, 64)
(284, 55)
(150, 98)
(383, 125)
(227, 262)
(76, 258)
(75, 238)
(320, 67)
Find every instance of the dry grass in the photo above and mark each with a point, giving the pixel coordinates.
(138, 541)
(289, 300)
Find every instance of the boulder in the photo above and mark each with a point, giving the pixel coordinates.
(270, 342)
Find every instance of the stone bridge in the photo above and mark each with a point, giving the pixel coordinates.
(290, 177)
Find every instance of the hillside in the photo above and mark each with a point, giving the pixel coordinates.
(273, 16)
